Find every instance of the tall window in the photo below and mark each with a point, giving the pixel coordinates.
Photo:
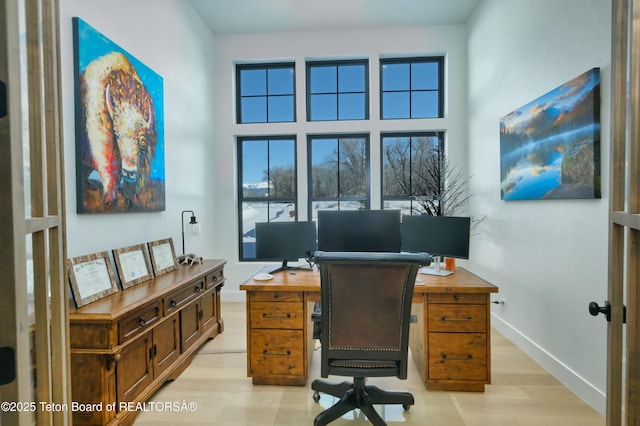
(266, 185)
(337, 90)
(265, 93)
(412, 172)
(412, 88)
(338, 173)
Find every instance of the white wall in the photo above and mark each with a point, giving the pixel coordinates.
(302, 46)
(548, 257)
(170, 38)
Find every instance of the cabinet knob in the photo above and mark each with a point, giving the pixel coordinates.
(111, 360)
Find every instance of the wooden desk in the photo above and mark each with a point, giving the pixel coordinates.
(449, 339)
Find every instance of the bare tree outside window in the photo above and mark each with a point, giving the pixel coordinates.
(339, 172)
(282, 181)
(416, 168)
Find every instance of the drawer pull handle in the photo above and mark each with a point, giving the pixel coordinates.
(445, 318)
(198, 289)
(142, 322)
(174, 303)
(266, 352)
(276, 316)
(457, 358)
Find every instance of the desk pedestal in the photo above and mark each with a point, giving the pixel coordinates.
(279, 337)
(450, 341)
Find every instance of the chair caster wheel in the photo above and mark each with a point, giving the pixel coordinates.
(316, 396)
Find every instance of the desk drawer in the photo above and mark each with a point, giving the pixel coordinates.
(457, 318)
(214, 278)
(465, 298)
(457, 356)
(277, 352)
(286, 315)
(179, 298)
(137, 321)
(275, 296)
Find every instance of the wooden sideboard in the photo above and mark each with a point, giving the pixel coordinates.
(449, 338)
(126, 345)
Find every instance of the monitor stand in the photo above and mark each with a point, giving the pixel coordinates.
(286, 267)
(436, 269)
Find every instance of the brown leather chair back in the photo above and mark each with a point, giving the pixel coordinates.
(366, 308)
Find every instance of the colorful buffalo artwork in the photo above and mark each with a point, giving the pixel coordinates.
(119, 137)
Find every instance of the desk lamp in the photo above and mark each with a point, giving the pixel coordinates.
(194, 227)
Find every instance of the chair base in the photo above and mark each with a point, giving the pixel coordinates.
(356, 395)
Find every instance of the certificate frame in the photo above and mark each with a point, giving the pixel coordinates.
(91, 277)
(133, 265)
(163, 256)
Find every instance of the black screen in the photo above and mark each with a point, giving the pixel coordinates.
(359, 230)
(437, 235)
(285, 240)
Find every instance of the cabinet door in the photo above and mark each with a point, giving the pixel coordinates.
(190, 325)
(166, 344)
(134, 370)
(209, 311)
(92, 382)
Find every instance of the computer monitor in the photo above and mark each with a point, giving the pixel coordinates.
(359, 230)
(446, 236)
(285, 241)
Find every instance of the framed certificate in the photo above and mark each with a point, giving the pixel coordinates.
(133, 265)
(163, 256)
(91, 278)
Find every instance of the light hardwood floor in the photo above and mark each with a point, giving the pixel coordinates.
(521, 394)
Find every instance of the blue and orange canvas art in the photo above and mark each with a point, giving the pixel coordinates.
(550, 148)
(119, 127)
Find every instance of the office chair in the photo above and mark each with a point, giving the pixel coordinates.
(366, 307)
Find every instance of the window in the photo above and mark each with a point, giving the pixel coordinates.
(337, 90)
(265, 93)
(266, 185)
(413, 172)
(338, 172)
(411, 88)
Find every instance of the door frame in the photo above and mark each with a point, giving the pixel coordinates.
(623, 345)
(34, 306)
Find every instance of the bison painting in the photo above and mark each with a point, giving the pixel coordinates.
(117, 138)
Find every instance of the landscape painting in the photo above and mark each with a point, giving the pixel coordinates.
(550, 148)
(119, 127)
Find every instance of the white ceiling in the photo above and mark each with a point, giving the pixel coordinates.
(258, 16)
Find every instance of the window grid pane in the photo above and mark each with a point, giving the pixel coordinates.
(411, 169)
(411, 88)
(338, 173)
(268, 186)
(324, 107)
(265, 93)
(337, 91)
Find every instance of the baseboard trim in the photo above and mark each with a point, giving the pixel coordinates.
(593, 396)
